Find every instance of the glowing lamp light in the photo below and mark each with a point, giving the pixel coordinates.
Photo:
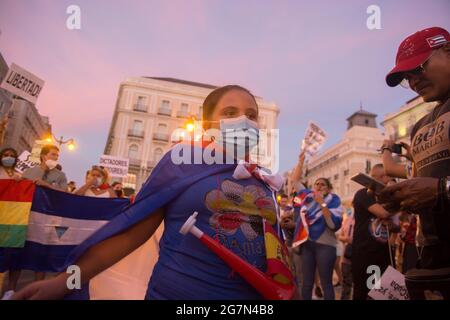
(71, 146)
(190, 127)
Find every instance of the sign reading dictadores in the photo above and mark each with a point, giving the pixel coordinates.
(117, 167)
(22, 83)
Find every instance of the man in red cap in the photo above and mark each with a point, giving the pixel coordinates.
(423, 64)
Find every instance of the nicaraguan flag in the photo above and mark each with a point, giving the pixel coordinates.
(57, 223)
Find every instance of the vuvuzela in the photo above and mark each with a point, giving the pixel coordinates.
(265, 285)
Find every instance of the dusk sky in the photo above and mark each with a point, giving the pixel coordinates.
(315, 59)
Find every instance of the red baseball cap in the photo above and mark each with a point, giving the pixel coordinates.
(415, 50)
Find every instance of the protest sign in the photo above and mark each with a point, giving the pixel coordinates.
(25, 161)
(392, 286)
(22, 83)
(116, 166)
(314, 139)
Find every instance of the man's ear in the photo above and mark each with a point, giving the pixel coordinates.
(446, 48)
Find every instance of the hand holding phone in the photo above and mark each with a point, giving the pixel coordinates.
(368, 182)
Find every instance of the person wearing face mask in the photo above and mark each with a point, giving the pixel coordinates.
(46, 173)
(96, 184)
(233, 207)
(118, 189)
(8, 163)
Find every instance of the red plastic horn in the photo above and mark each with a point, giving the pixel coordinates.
(265, 285)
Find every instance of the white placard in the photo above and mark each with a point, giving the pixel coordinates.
(24, 162)
(22, 83)
(392, 286)
(116, 166)
(314, 139)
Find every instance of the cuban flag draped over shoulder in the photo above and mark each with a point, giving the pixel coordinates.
(310, 223)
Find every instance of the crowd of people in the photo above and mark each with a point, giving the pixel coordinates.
(405, 225)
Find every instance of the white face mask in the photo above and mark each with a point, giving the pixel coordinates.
(235, 131)
(8, 162)
(99, 182)
(51, 164)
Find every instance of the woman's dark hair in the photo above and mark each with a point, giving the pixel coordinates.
(210, 103)
(13, 151)
(327, 182)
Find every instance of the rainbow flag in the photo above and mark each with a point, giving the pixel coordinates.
(15, 205)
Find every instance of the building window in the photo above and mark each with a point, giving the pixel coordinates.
(368, 166)
(133, 152)
(140, 104)
(157, 155)
(184, 111)
(165, 108)
(336, 176)
(161, 133)
(162, 128)
(346, 172)
(137, 125)
(137, 129)
(366, 121)
(141, 100)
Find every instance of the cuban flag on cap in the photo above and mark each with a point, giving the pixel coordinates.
(436, 40)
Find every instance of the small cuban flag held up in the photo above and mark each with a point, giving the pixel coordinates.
(49, 227)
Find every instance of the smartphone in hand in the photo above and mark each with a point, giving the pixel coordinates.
(368, 182)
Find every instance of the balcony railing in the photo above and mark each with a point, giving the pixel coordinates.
(134, 162)
(165, 111)
(161, 136)
(140, 107)
(136, 133)
(182, 114)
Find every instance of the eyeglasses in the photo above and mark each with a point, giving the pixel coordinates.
(421, 69)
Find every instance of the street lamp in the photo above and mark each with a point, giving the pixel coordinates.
(190, 125)
(194, 129)
(70, 142)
